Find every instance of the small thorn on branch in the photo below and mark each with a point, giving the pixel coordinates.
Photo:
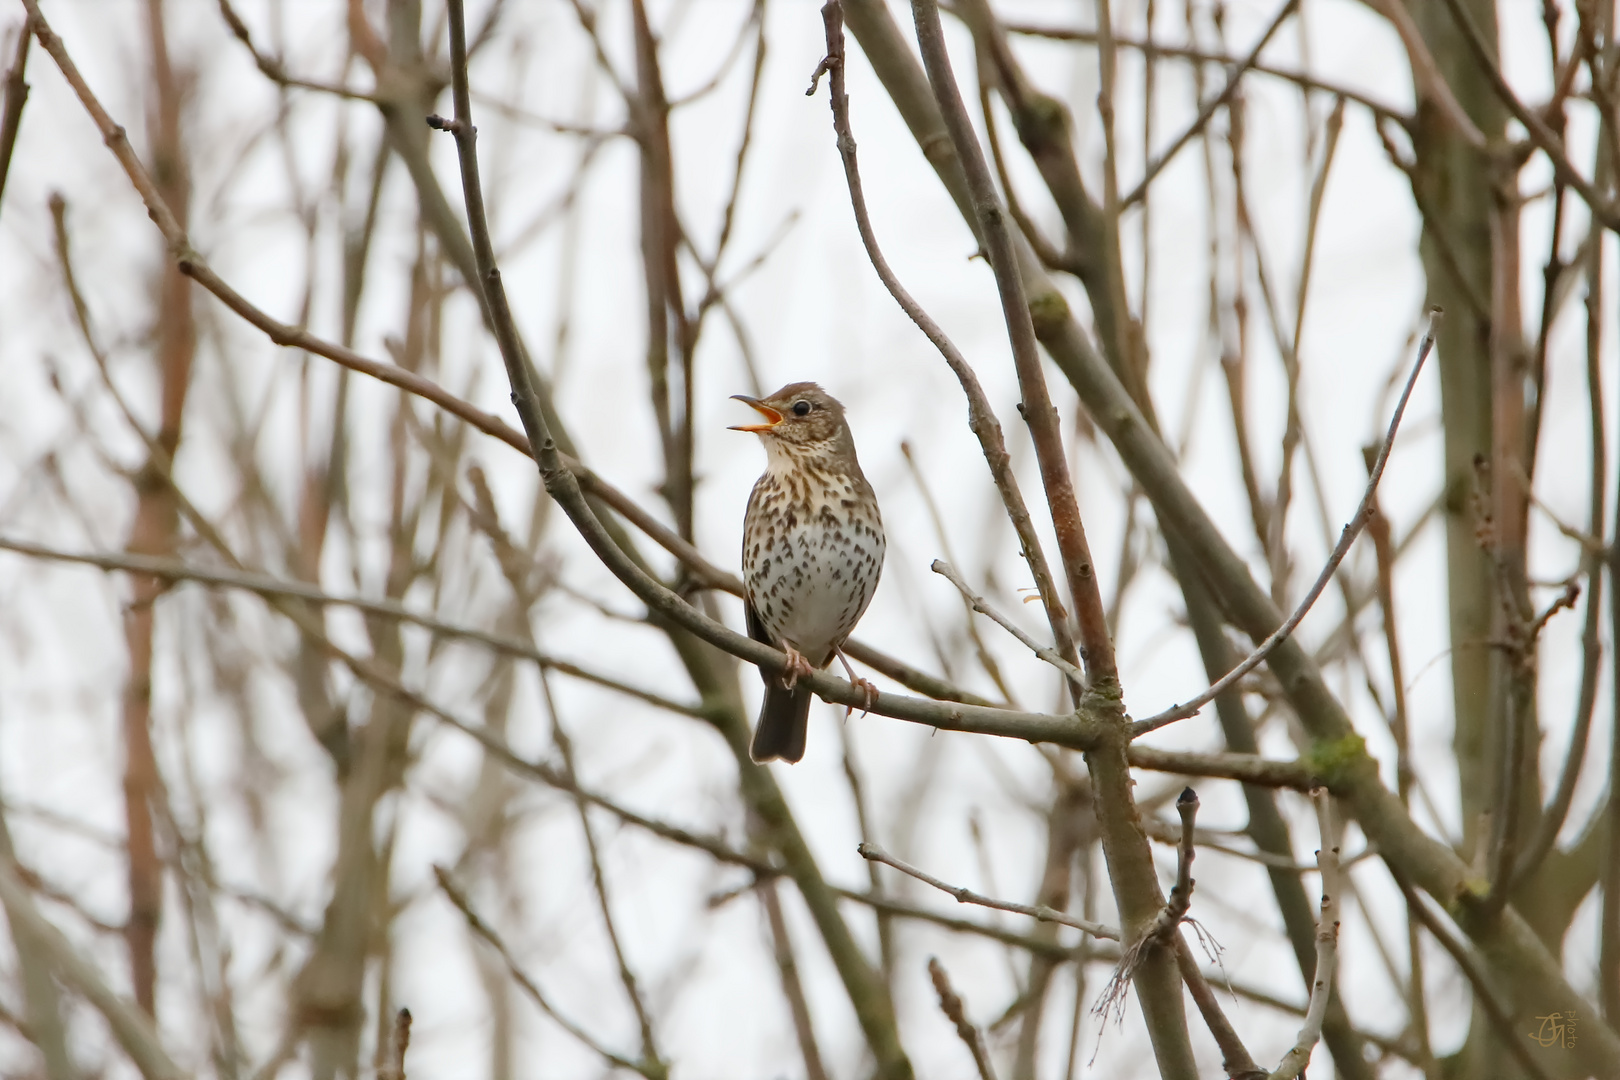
(441, 123)
(832, 17)
(822, 68)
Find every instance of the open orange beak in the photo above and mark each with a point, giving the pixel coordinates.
(771, 416)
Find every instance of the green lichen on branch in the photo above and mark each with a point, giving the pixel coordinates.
(1043, 118)
(1049, 311)
(1103, 702)
(1336, 762)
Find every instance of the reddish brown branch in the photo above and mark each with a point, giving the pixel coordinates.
(153, 531)
(981, 417)
(1096, 647)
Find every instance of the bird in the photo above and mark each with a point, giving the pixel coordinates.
(812, 553)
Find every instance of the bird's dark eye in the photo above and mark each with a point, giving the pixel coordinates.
(801, 408)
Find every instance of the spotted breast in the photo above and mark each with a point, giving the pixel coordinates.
(813, 550)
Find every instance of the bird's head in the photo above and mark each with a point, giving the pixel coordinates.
(800, 416)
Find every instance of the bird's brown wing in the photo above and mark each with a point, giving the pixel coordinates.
(757, 631)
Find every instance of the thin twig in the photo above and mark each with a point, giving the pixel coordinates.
(979, 604)
(275, 71)
(1162, 930)
(1384, 557)
(1187, 810)
(1235, 1057)
(1427, 80)
(863, 821)
(174, 570)
(1327, 943)
(487, 932)
(970, 624)
(652, 1060)
(792, 986)
(1351, 530)
(755, 19)
(130, 1027)
(951, 1005)
(981, 417)
(1552, 818)
(1096, 647)
(1234, 79)
(1602, 207)
(965, 895)
(1155, 49)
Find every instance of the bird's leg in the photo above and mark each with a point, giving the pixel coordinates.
(797, 665)
(866, 688)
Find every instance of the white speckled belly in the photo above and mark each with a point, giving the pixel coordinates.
(811, 573)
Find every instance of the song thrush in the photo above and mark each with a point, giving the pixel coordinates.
(812, 552)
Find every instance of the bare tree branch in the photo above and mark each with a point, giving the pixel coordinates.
(1327, 943)
(11, 106)
(979, 604)
(981, 418)
(485, 931)
(964, 895)
(1346, 538)
(951, 1005)
(1234, 79)
(131, 1027)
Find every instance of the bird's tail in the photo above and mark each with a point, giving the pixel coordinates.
(784, 720)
